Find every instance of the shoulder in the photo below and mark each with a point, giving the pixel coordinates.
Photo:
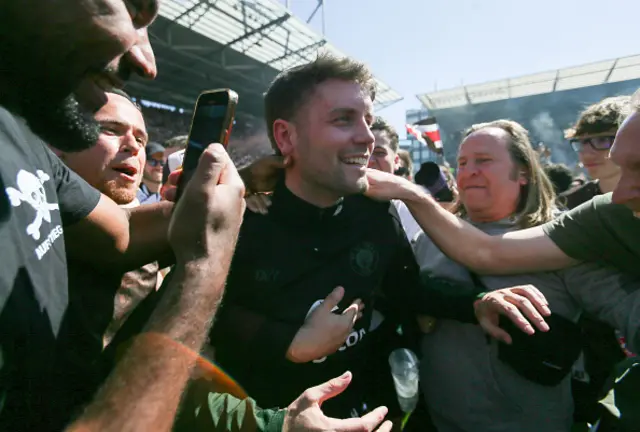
(576, 196)
(385, 209)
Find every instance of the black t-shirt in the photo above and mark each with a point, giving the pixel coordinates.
(40, 196)
(285, 264)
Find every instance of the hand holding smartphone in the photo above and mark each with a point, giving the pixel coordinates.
(211, 123)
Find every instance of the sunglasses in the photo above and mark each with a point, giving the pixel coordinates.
(597, 143)
(155, 162)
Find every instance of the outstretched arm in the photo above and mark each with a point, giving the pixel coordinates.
(512, 253)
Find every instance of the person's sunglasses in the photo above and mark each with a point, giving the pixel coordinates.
(596, 143)
(155, 162)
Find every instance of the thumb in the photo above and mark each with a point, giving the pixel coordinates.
(211, 165)
(333, 299)
(330, 389)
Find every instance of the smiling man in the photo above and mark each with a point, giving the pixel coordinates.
(58, 62)
(319, 233)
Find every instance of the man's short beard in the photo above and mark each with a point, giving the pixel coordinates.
(65, 125)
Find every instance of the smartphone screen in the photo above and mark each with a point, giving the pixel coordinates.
(211, 123)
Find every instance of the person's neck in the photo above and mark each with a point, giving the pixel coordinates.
(608, 184)
(488, 216)
(310, 193)
(153, 187)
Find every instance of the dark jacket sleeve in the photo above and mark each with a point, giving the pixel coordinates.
(407, 292)
(444, 299)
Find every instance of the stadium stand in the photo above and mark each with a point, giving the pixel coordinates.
(237, 44)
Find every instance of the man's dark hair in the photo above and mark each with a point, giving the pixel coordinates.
(292, 88)
(604, 116)
(382, 125)
(560, 175)
(125, 95)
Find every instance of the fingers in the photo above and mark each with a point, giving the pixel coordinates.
(211, 165)
(523, 304)
(493, 329)
(329, 389)
(333, 299)
(170, 188)
(354, 311)
(386, 426)
(368, 422)
(258, 203)
(279, 162)
(229, 175)
(535, 297)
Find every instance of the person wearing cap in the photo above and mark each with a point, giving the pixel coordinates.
(149, 191)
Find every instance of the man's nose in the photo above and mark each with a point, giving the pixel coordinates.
(365, 136)
(140, 57)
(130, 144)
(146, 12)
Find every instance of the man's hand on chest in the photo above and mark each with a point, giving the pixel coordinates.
(324, 331)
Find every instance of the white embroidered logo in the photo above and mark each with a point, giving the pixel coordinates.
(31, 191)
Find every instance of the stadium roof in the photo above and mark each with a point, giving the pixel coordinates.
(620, 69)
(242, 44)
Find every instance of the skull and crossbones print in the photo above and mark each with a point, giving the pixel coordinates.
(31, 191)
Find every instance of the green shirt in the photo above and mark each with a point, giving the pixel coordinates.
(599, 231)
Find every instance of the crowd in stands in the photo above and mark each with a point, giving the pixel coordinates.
(248, 141)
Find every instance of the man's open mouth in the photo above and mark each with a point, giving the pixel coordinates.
(129, 170)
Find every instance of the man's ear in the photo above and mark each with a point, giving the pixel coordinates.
(523, 178)
(285, 136)
(396, 162)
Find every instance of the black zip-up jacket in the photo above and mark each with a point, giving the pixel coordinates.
(288, 261)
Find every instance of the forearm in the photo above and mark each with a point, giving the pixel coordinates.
(447, 299)
(144, 391)
(148, 228)
(458, 239)
(519, 251)
(455, 307)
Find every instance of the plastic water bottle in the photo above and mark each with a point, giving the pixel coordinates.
(405, 371)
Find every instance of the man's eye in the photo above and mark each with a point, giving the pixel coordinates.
(108, 130)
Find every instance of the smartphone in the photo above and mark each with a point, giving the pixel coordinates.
(211, 123)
